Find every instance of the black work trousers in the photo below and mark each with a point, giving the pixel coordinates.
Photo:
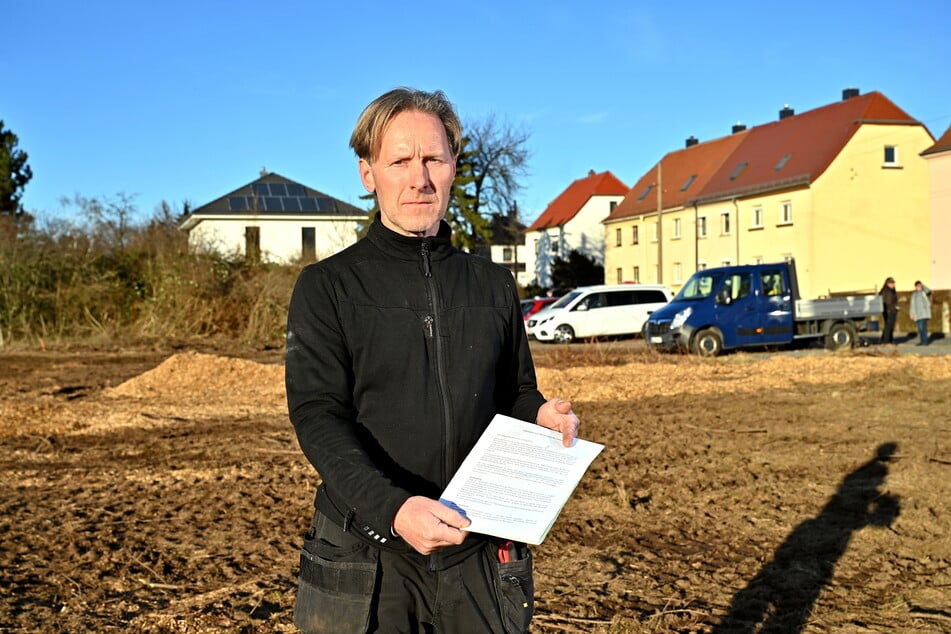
(888, 332)
(349, 586)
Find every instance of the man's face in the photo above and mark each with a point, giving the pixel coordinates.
(412, 175)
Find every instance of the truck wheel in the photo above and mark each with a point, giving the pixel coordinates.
(707, 343)
(564, 334)
(840, 336)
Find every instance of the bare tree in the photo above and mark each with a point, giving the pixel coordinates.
(490, 169)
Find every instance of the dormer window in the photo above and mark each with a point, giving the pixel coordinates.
(782, 162)
(646, 191)
(689, 182)
(739, 170)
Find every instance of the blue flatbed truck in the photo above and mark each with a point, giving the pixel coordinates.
(731, 307)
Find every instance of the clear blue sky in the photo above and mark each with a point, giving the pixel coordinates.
(189, 100)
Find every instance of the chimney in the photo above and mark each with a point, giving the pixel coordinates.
(691, 140)
(786, 112)
(848, 93)
(738, 127)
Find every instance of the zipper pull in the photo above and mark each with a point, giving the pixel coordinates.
(424, 252)
(428, 325)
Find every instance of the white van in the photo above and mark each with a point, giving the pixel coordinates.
(599, 311)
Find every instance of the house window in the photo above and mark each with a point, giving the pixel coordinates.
(506, 254)
(536, 246)
(637, 275)
(678, 273)
(646, 191)
(617, 237)
(757, 222)
(785, 213)
(634, 235)
(612, 205)
(702, 227)
(618, 275)
(676, 228)
(891, 156)
(554, 248)
(308, 244)
(725, 223)
(252, 243)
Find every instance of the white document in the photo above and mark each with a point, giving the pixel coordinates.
(515, 481)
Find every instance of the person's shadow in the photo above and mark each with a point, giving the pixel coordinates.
(780, 598)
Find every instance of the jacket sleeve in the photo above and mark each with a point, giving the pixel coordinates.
(319, 382)
(519, 375)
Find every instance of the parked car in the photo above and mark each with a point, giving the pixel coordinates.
(599, 311)
(531, 307)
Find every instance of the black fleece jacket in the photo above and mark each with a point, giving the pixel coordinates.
(400, 351)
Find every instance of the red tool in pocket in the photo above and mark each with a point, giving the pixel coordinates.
(507, 552)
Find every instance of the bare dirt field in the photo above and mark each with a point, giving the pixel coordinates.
(163, 491)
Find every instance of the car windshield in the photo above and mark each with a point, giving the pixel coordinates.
(567, 299)
(699, 286)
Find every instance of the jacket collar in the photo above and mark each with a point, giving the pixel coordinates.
(406, 247)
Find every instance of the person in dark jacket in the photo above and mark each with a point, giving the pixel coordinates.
(890, 309)
(400, 350)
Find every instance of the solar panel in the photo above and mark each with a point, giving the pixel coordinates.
(325, 204)
(293, 189)
(237, 203)
(308, 204)
(291, 204)
(273, 203)
(260, 189)
(278, 189)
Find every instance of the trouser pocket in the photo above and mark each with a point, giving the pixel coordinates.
(338, 575)
(515, 584)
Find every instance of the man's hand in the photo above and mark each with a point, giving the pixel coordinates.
(556, 414)
(428, 525)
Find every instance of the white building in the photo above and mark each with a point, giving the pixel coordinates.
(274, 219)
(572, 222)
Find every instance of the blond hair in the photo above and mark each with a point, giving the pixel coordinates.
(367, 135)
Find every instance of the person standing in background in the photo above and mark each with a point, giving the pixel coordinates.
(921, 311)
(890, 310)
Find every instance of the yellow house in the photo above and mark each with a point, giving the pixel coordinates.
(938, 157)
(841, 188)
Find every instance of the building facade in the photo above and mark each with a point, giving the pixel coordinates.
(274, 219)
(572, 222)
(841, 188)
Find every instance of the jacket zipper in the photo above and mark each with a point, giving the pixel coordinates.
(431, 326)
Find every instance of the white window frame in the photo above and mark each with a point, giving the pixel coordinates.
(678, 273)
(677, 229)
(637, 274)
(617, 237)
(701, 226)
(785, 212)
(894, 162)
(635, 235)
(756, 222)
(725, 224)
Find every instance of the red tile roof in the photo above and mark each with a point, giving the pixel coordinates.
(567, 205)
(811, 140)
(790, 152)
(699, 161)
(941, 145)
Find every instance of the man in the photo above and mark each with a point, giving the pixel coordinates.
(921, 311)
(889, 310)
(400, 350)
